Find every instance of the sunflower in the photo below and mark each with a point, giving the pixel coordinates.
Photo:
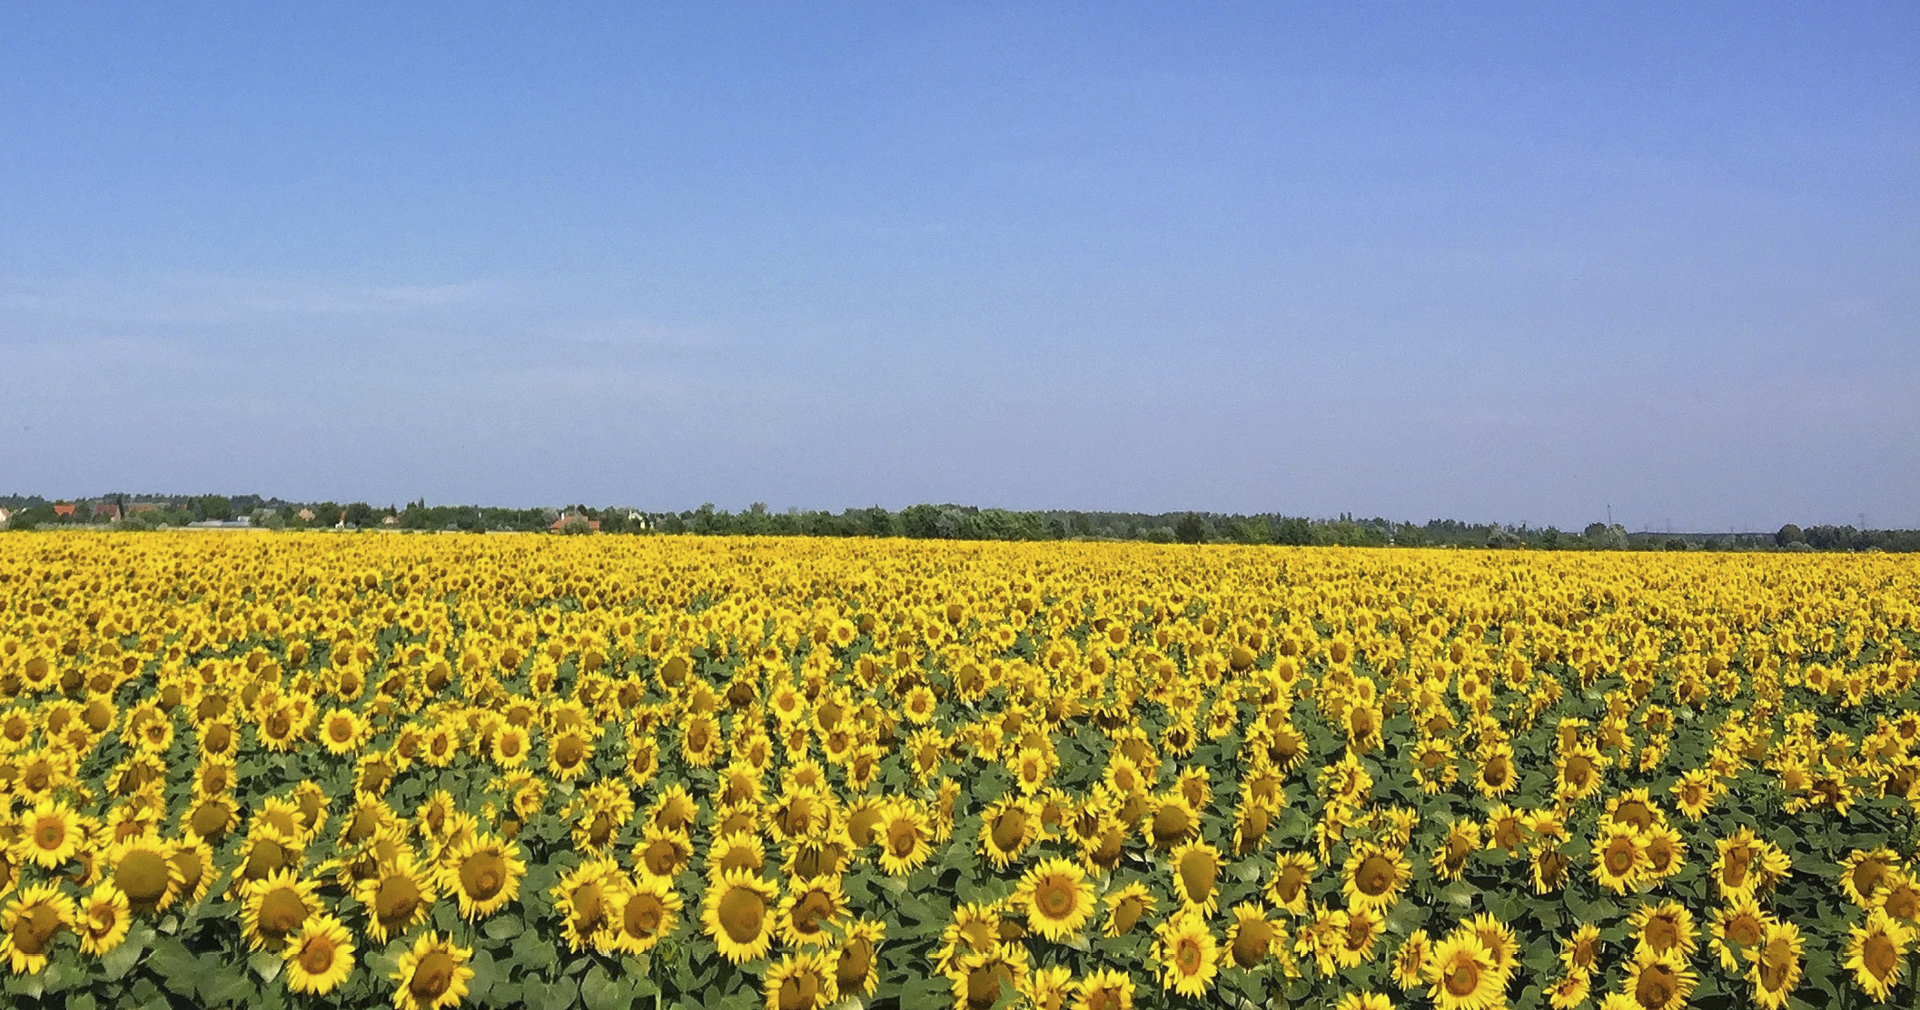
(905, 838)
(1363, 1001)
(1007, 827)
(144, 871)
(50, 834)
(1666, 852)
(1461, 974)
(643, 910)
(1663, 928)
(1776, 965)
(1462, 841)
(484, 874)
(343, 730)
(811, 906)
(737, 850)
(1659, 982)
(1569, 991)
(1057, 898)
(1104, 989)
(1172, 821)
(663, 852)
(1125, 907)
(1288, 890)
(510, 746)
(103, 920)
(983, 978)
(397, 898)
(273, 908)
(320, 956)
(1195, 867)
(1580, 953)
(1410, 961)
(802, 981)
(431, 975)
(1694, 793)
(1374, 877)
(1900, 896)
(1250, 938)
(737, 913)
(1877, 953)
(29, 923)
(1189, 958)
(193, 859)
(1864, 872)
(1619, 858)
(857, 962)
(1496, 776)
(582, 898)
(975, 928)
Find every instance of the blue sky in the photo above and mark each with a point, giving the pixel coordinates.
(1489, 262)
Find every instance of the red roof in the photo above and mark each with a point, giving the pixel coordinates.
(65, 509)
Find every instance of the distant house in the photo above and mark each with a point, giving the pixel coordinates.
(390, 521)
(107, 510)
(142, 506)
(593, 525)
(306, 515)
(65, 509)
(4, 516)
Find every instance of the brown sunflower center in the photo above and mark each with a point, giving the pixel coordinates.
(51, 834)
(1197, 872)
(1662, 934)
(1187, 956)
(902, 838)
(1010, 829)
(1376, 875)
(432, 976)
(395, 900)
(483, 874)
(643, 915)
(856, 959)
(742, 912)
(1251, 942)
(799, 991)
(142, 875)
(34, 930)
(282, 910)
(808, 912)
(1055, 897)
(1880, 955)
(1462, 978)
(316, 955)
(1656, 986)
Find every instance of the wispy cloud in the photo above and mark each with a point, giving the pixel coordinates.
(206, 299)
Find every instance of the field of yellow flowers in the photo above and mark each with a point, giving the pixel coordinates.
(345, 770)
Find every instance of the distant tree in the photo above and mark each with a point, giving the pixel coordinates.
(1676, 544)
(1191, 529)
(1502, 539)
(1550, 538)
(1602, 537)
(360, 514)
(218, 508)
(1288, 530)
(1789, 534)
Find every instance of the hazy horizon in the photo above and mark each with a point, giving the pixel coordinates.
(1503, 264)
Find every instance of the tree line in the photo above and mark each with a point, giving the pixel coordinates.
(924, 521)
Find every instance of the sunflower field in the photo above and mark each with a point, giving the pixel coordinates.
(259, 770)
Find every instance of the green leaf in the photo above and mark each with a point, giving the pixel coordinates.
(121, 959)
(503, 927)
(602, 993)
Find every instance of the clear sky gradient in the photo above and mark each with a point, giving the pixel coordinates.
(1487, 262)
